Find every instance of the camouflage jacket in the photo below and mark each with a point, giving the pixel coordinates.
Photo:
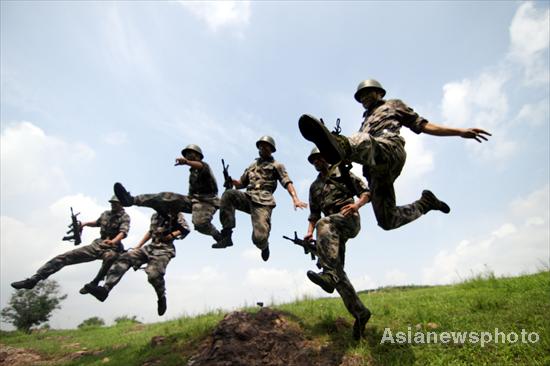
(328, 194)
(111, 223)
(389, 116)
(159, 229)
(202, 184)
(260, 179)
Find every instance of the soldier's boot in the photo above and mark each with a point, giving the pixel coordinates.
(429, 202)
(84, 290)
(99, 292)
(161, 305)
(360, 323)
(225, 240)
(125, 198)
(28, 283)
(322, 280)
(265, 254)
(333, 147)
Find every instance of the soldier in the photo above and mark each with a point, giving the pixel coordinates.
(260, 180)
(332, 195)
(114, 226)
(202, 201)
(379, 147)
(165, 227)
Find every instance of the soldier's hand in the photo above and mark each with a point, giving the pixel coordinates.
(110, 242)
(349, 210)
(475, 133)
(299, 204)
(308, 237)
(181, 161)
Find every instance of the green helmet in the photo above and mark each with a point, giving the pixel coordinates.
(192, 147)
(114, 199)
(368, 84)
(267, 139)
(314, 151)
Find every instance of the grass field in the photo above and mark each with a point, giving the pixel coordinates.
(481, 304)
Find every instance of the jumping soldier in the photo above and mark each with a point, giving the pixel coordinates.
(114, 226)
(165, 227)
(202, 201)
(260, 180)
(379, 147)
(332, 194)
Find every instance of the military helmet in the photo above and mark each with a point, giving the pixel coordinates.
(267, 139)
(314, 151)
(368, 84)
(114, 199)
(192, 147)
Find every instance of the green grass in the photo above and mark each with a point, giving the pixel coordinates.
(477, 305)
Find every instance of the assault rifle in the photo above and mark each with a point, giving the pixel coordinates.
(309, 246)
(75, 227)
(228, 182)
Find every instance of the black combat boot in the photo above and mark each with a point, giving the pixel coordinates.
(265, 254)
(359, 325)
(125, 198)
(225, 240)
(28, 283)
(322, 280)
(333, 147)
(99, 292)
(429, 202)
(161, 305)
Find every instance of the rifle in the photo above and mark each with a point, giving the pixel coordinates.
(228, 182)
(309, 246)
(75, 227)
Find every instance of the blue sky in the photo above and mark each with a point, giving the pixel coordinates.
(98, 92)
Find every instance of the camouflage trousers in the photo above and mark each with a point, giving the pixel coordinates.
(97, 250)
(333, 231)
(383, 159)
(202, 211)
(155, 269)
(260, 215)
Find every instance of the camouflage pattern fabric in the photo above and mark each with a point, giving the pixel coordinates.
(379, 147)
(260, 215)
(202, 181)
(333, 231)
(111, 223)
(156, 255)
(260, 180)
(202, 208)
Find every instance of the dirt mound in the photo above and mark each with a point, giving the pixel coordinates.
(17, 356)
(264, 338)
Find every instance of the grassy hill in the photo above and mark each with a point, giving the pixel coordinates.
(482, 304)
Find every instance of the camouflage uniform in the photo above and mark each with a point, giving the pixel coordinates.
(381, 149)
(111, 223)
(327, 195)
(260, 179)
(157, 254)
(202, 201)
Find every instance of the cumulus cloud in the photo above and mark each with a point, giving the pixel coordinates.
(518, 245)
(220, 14)
(529, 39)
(535, 114)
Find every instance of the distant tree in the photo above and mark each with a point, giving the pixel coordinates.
(127, 319)
(92, 322)
(27, 308)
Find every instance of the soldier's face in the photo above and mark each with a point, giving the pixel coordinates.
(369, 98)
(115, 206)
(264, 149)
(191, 155)
(320, 164)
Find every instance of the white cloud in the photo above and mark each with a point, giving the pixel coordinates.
(33, 161)
(115, 138)
(220, 14)
(529, 38)
(395, 277)
(535, 114)
(518, 245)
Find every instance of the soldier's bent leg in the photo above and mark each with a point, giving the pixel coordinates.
(156, 268)
(261, 225)
(353, 304)
(133, 258)
(83, 254)
(203, 214)
(232, 200)
(164, 202)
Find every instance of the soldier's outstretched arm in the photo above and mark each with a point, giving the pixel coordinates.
(310, 229)
(295, 200)
(477, 134)
(144, 240)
